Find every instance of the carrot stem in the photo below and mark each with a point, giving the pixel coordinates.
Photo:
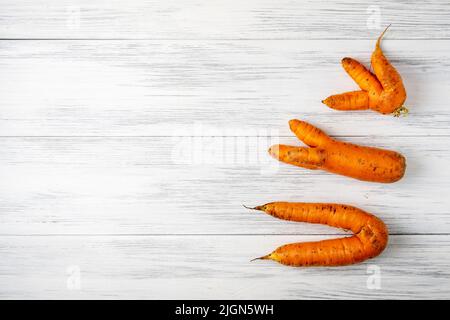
(401, 112)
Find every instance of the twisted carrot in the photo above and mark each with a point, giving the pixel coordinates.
(369, 239)
(383, 91)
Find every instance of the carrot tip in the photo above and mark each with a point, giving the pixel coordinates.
(382, 35)
(266, 257)
(293, 122)
(254, 208)
(273, 151)
(345, 59)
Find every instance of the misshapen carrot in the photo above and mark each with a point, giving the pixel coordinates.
(370, 92)
(394, 93)
(383, 91)
(369, 239)
(326, 153)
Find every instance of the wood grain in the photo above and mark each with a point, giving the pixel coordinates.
(170, 185)
(222, 19)
(206, 267)
(131, 132)
(162, 88)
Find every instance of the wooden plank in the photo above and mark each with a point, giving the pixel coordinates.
(205, 267)
(172, 185)
(221, 19)
(161, 88)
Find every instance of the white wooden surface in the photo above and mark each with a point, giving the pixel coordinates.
(131, 132)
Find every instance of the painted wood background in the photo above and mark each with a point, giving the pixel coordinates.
(131, 133)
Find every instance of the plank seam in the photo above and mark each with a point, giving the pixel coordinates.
(214, 136)
(204, 234)
(218, 39)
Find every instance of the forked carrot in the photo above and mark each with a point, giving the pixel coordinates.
(370, 235)
(367, 96)
(383, 91)
(351, 160)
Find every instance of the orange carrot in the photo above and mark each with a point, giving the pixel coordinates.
(354, 100)
(351, 160)
(365, 79)
(394, 93)
(366, 98)
(383, 91)
(369, 239)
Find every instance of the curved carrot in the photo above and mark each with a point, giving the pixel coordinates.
(385, 92)
(394, 93)
(369, 239)
(351, 160)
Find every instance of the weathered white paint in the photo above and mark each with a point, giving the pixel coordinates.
(224, 19)
(97, 127)
(166, 88)
(155, 185)
(208, 267)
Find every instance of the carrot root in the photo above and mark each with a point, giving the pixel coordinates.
(354, 100)
(310, 158)
(369, 240)
(266, 257)
(351, 160)
(382, 35)
(384, 87)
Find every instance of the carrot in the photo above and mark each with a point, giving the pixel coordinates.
(354, 100)
(383, 91)
(351, 160)
(394, 93)
(366, 98)
(365, 79)
(369, 239)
